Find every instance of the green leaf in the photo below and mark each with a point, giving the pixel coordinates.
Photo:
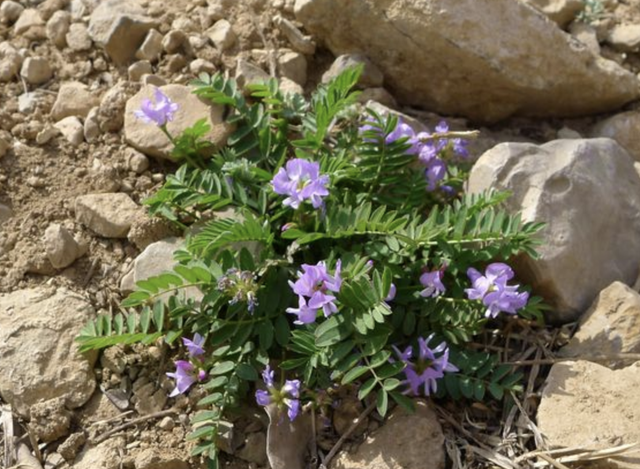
(382, 402)
(332, 331)
(247, 372)
(354, 374)
(222, 368)
(366, 388)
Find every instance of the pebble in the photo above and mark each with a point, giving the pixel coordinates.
(91, 127)
(167, 423)
(138, 69)
(10, 11)
(36, 70)
(109, 215)
(136, 161)
(293, 65)
(61, 248)
(28, 19)
(174, 41)
(625, 37)
(58, 27)
(222, 35)
(78, 37)
(72, 129)
(74, 99)
(151, 48)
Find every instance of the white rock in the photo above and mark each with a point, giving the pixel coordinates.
(625, 37)
(610, 327)
(72, 129)
(531, 68)
(29, 102)
(120, 26)
(151, 48)
(91, 127)
(136, 161)
(566, 132)
(36, 70)
(561, 12)
(623, 128)
(74, 99)
(28, 19)
(298, 41)
(58, 27)
(109, 215)
(152, 141)
(137, 69)
(47, 134)
(222, 35)
(199, 66)
(78, 38)
(371, 75)
(578, 188)
(42, 324)
(293, 65)
(9, 67)
(585, 405)
(62, 250)
(10, 11)
(289, 86)
(248, 74)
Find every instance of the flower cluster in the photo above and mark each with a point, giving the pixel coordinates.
(426, 369)
(187, 372)
(240, 286)
(159, 113)
(287, 397)
(493, 290)
(301, 180)
(429, 148)
(314, 288)
(432, 283)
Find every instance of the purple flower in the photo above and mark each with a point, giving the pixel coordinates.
(392, 293)
(493, 290)
(315, 283)
(159, 113)
(288, 396)
(241, 286)
(300, 180)
(195, 346)
(435, 172)
(185, 375)
(427, 368)
(432, 281)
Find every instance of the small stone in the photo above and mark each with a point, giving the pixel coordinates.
(566, 132)
(114, 359)
(254, 449)
(379, 95)
(62, 250)
(78, 38)
(199, 66)
(248, 74)
(47, 134)
(153, 80)
(167, 423)
(106, 455)
(150, 399)
(109, 215)
(586, 34)
(10, 11)
(561, 12)
(71, 446)
(47, 8)
(28, 103)
(160, 458)
(625, 37)
(293, 65)
(138, 69)
(174, 42)
(287, 86)
(91, 127)
(58, 27)
(623, 128)
(36, 70)
(136, 161)
(5, 213)
(176, 62)
(222, 35)
(28, 19)
(112, 106)
(72, 129)
(371, 75)
(151, 48)
(50, 420)
(74, 99)
(9, 67)
(298, 41)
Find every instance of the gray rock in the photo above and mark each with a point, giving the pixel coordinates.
(29, 18)
(561, 12)
(254, 449)
(150, 140)
(120, 26)
(29, 102)
(371, 75)
(199, 66)
(222, 35)
(293, 65)
(78, 38)
(248, 74)
(404, 441)
(298, 41)
(623, 128)
(136, 161)
(36, 70)
(42, 324)
(151, 48)
(112, 106)
(71, 446)
(74, 99)
(72, 129)
(138, 69)
(62, 250)
(444, 55)
(585, 405)
(610, 327)
(109, 215)
(588, 194)
(9, 67)
(58, 27)
(175, 42)
(91, 127)
(10, 11)
(586, 34)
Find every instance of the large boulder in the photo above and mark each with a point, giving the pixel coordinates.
(585, 405)
(150, 140)
(39, 359)
(587, 192)
(484, 59)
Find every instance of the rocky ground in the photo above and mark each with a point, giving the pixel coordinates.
(75, 166)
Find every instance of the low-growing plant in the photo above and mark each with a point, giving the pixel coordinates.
(334, 246)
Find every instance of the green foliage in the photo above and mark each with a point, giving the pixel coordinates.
(593, 10)
(380, 221)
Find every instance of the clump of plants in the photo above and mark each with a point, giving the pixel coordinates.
(335, 246)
